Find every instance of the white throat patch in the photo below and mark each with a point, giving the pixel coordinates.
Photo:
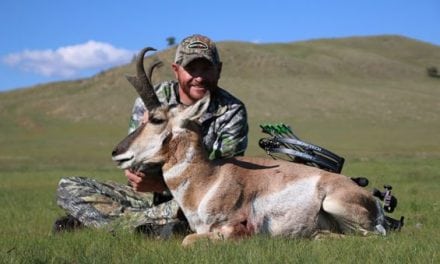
(180, 167)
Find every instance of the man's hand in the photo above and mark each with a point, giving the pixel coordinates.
(141, 182)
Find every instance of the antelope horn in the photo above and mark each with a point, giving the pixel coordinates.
(142, 83)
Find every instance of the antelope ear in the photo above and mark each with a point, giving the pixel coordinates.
(195, 111)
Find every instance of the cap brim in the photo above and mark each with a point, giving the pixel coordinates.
(190, 58)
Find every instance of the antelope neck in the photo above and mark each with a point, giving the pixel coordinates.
(185, 151)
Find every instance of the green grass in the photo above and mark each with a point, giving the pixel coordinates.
(367, 99)
(91, 247)
(29, 209)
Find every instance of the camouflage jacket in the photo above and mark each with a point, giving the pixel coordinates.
(224, 125)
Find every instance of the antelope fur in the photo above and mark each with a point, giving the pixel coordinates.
(242, 196)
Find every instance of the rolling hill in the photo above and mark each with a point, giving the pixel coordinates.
(361, 97)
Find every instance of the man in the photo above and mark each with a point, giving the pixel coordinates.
(197, 68)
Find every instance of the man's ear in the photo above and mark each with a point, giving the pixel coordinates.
(175, 68)
(195, 111)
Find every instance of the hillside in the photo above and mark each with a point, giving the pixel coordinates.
(361, 97)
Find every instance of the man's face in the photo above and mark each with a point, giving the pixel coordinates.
(199, 76)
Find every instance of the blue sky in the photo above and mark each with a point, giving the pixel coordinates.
(44, 41)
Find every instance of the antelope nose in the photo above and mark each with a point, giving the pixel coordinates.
(117, 151)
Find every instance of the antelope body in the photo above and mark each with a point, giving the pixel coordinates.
(238, 197)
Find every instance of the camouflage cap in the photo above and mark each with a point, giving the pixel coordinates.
(195, 47)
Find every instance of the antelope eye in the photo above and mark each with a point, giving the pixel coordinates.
(156, 121)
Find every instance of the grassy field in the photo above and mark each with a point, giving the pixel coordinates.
(29, 209)
(367, 99)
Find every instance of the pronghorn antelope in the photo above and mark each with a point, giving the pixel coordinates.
(238, 197)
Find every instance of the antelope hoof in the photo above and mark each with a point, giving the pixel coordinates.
(193, 238)
(190, 239)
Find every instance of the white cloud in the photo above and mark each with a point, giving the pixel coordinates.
(70, 60)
